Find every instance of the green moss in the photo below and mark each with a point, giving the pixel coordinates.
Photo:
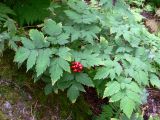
(9, 93)
(3, 116)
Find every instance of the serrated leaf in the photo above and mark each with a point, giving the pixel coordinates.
(134, 87)
(154, 80)
(84, 79)
(55, 71)
(64, 84)
(12, 45)
(79, 86)
(116, 97)
(112, 74)
(134, 96)
(73, 16)
(87, 59)
(27, 43)
(68, 77)
(43, 60)
(141, 77)
(111, 89)
(73, 93)
(93, 60)
(87, 33)
(86, 17)
(10, 24)
(75, 34)
(62, 39)
(64, 53)
(102, 73)
(51, 28)
(118, 69)
(90, 34)
(64, 64)
(21, 55)
(32, 59)
(38, 38)
(127, 105)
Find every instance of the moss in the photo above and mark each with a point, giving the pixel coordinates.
(3, 116)
(9, 93)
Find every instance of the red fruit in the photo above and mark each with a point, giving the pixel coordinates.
(80, 67)
(76, 66)
(73, 67)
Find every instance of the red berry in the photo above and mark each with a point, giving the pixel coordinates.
(76, 66)
(80, 67)
(73, 66)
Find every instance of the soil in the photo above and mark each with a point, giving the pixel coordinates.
(94, 101)
(152, 107)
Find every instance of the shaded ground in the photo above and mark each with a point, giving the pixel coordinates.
(12, 105)
(16, 104)
(152, 107)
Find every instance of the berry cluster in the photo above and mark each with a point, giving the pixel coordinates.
(76, 67)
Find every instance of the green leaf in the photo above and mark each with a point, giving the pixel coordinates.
(111, 89)
(74, 16)
(48, 89)
(10, 24)
(68, 77)
(86, 18)
(75, 34)
(63, 84)
(102, 73)
(73, 93)
(64, 53)
(32, 59)
(87, 58)
(141, 77)
(62, 39)
(79, 86)
(87, 33)
(21, 55)
(112, 74)
(116, 97)
(127, 105)
(118, 69)
(111, 69)
(12, 45)
(134, 96)
(55, 71)
(43, 60)
(37, 38)
(93, 60)
(51, 28)
(27, 43)
(154, 80)
(84, 79)
(64, 64)
(133, 87)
